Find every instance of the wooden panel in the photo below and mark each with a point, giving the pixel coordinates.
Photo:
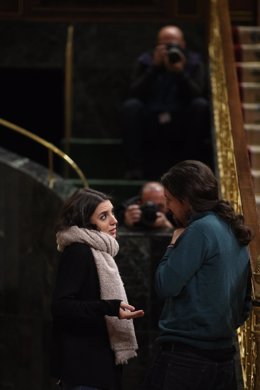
(98, 10)
(192, 9)
(243, 11)
(241, 5)
(188, 7)
(86, 3)
(11, 7)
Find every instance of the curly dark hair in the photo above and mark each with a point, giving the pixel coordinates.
(194, 182)
(79, 207)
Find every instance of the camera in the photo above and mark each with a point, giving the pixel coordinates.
(149, 213)
(175, 53)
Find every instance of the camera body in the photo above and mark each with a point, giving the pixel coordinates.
(149, 213)
(175, 53)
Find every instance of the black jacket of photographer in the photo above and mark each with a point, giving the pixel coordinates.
(162, 90)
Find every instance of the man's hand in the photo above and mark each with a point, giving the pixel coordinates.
(128, 312)
(132, 215)
(176, 234)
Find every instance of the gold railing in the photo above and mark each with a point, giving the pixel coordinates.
(52, 149)
(234, 170)
(68, 87)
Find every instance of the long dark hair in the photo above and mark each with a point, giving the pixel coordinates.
(79, 208)
(194, 182)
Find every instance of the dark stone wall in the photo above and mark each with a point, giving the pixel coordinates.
(28, 259)
(32, 72)
(137, 260)
(104, 58)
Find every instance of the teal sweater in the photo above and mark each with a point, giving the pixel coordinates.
(204, 281)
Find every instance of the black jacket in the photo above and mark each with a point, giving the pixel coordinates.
(162, 90)
(81, 352)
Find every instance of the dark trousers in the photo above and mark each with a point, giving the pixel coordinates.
(154, 147)
(173, 370)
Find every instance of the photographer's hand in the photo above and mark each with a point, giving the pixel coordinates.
(176, 66)
(162, 221)
(159, 55)
(132, 215)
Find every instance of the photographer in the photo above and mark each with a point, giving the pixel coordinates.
(146, 211)
(167, 114)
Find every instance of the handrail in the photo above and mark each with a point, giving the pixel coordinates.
(68, 87)
(51, 149)
(234, 170)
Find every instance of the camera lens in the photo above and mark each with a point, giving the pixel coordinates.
(149, 213)
(174, 53)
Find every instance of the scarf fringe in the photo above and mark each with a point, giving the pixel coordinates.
(122, 357)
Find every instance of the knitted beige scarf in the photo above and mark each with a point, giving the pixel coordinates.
(104, 247)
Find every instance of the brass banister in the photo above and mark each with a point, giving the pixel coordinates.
(51, 149)
(234, 170)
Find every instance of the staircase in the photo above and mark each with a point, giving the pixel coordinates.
(247, 54)
(102, 161)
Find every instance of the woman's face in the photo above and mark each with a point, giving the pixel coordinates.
(180, 209)
(103, 217)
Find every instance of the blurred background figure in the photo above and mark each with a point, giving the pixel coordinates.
(167, 117)
(146, 210)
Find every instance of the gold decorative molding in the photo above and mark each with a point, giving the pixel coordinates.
(11, 7)
(116, 10)
(222, 123)
(229, 175)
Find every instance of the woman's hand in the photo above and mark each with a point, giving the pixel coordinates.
(127, 312)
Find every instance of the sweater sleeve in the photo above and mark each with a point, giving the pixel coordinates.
(76, 270)
(180, 262)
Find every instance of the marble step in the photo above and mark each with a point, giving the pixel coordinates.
(119, 190)
(250, 92)
(254, 153)
(257, 198)
(256, 180)
(246, 34)
(247, 52)
(248, 71)
(98, 157)
(252, 133)
(251, 113)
